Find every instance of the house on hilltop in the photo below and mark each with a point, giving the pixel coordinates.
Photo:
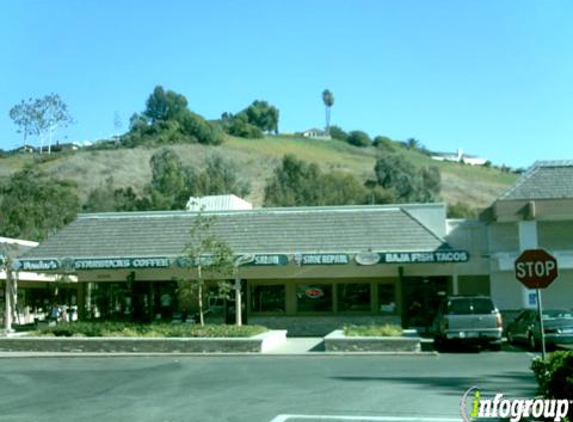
(459, 157)
(316, 134)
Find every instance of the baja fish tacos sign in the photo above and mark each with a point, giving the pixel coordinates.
(436, 257)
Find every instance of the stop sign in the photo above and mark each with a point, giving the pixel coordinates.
(536, 268)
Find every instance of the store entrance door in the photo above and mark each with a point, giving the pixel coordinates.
(421, 297)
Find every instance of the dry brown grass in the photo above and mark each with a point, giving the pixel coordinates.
(256, 159)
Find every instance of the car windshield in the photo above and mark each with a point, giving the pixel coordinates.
(469, 306)
(557, 314)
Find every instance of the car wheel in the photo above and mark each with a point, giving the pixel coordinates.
(531, 342)
(439, 344)
(495, 346)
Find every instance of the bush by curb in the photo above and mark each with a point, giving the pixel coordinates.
(555, 376)
(118, 329)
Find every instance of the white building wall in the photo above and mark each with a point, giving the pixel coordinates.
(507, 240)
(469, 235)
(560, 293)
(506, 291)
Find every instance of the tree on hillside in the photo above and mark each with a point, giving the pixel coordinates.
(298, 183)
(338, 188)
(107, 198)
(262, 115)
(34, 206)
(41, 117)
(293, 183)
(202, 131)
(23, 116)
(395, 172)
(431, 184)
(220, 177)
(167, 120)
(169, 187)
(164, 105)
(239, 126)
(385, 144)
(337, 133)
(359, 138)
(328, 99)
(412, 143)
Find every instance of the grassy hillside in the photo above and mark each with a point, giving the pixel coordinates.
(476, 186)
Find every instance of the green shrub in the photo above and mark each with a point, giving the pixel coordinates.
(384, 144)
(359, 138)
(119, 329)
(461, 210)
(555, 375)
(338, 133)
(387, 330)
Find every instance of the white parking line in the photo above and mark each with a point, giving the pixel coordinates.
(285, 418)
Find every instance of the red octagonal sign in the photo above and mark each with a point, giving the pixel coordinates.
(536, 268)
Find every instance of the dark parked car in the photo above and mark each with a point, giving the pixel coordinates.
(468, 319)
(557, 325)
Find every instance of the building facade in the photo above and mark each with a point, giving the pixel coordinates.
(313, 269)
(536, 213)
(310, 268)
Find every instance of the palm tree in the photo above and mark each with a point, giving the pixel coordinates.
(328, 100)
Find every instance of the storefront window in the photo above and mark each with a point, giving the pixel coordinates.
(387, 298)
(314, 298)
(353, 297)
(268, 298)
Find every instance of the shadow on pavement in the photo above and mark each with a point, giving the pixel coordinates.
(520, 384)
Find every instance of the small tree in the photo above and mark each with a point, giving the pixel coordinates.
(11, 296)
(206, 257)
(51, 113)
(41, 116)
(23, 115)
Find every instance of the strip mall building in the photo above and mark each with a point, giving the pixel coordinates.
(310, 270)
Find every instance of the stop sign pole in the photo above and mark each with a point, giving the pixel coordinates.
(536, 269)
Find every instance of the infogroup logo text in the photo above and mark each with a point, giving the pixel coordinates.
(475, 406)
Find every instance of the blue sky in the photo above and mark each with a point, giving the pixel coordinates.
(493, 77)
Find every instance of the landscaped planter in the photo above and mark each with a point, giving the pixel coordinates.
(256, 344)
(336, 341)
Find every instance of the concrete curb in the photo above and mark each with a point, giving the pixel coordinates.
(142, 345)
(337, 341)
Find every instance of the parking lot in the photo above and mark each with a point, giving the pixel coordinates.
(314, 387)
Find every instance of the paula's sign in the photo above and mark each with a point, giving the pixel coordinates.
(70, 265)
(37, 265)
